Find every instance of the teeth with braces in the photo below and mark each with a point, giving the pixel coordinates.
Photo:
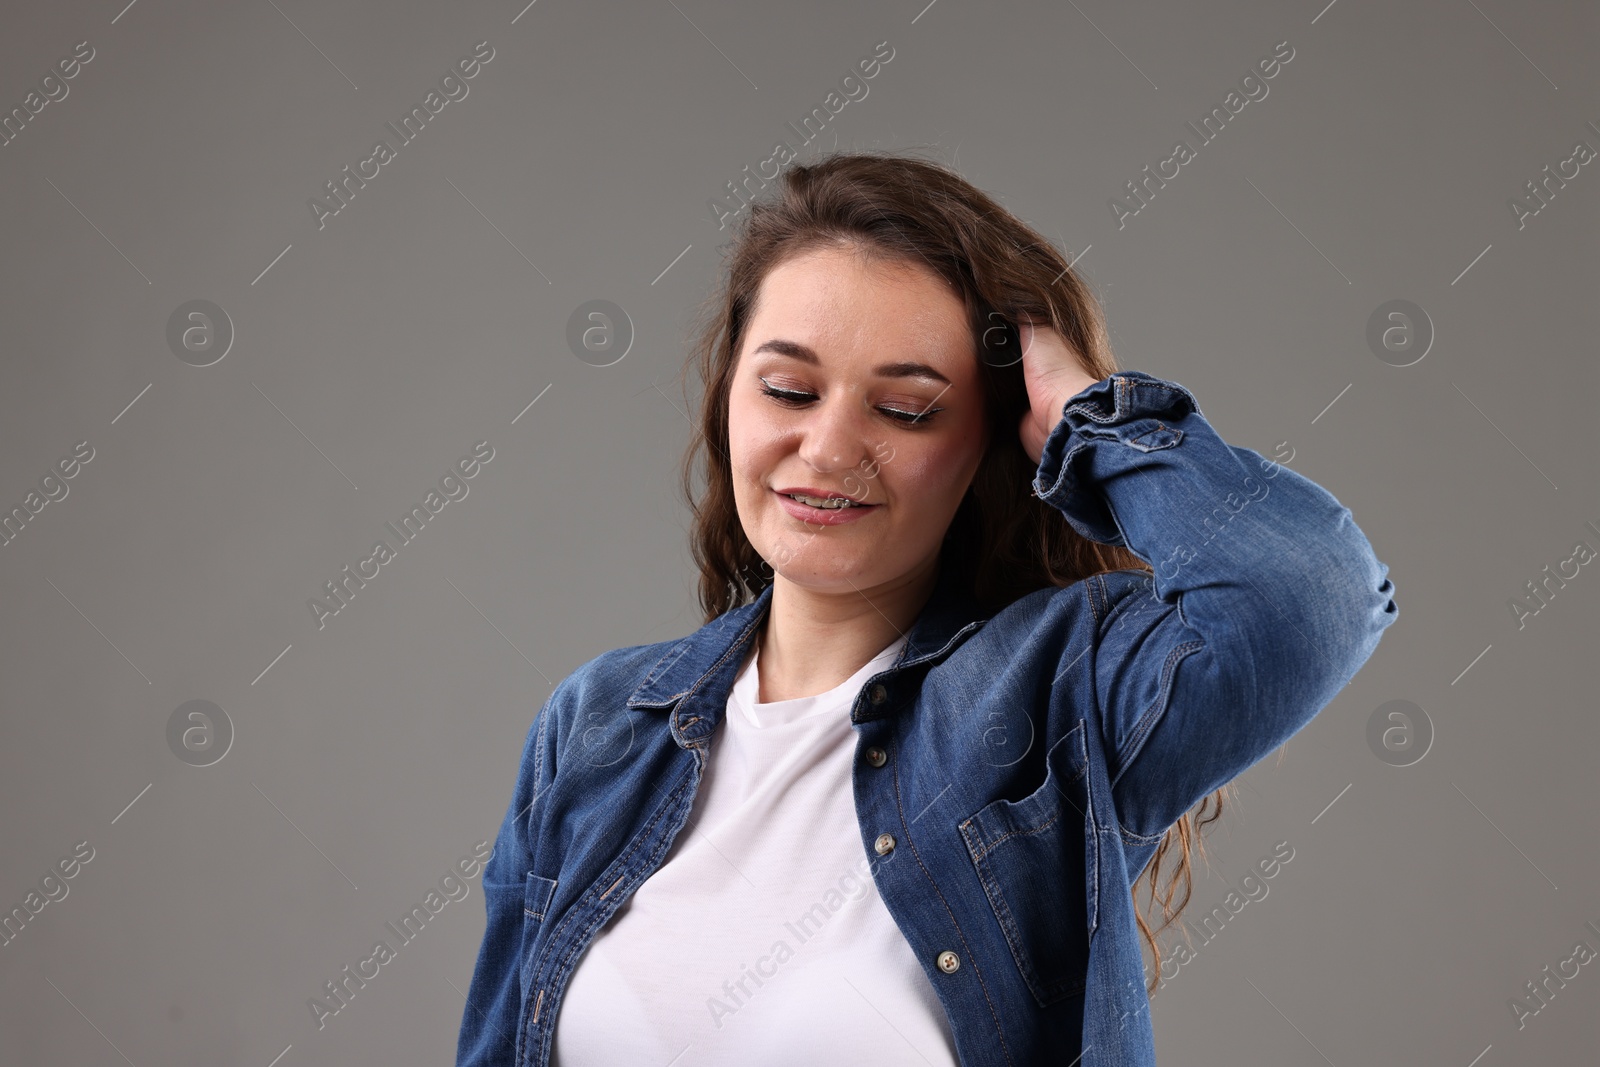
(826, 503)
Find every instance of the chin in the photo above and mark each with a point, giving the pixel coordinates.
(831, 575)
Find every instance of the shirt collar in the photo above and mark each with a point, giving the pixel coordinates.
(720, 645)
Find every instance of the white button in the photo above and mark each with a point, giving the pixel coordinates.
(884, 844)
(949, 962)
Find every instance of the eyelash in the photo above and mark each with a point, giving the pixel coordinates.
(910, 419)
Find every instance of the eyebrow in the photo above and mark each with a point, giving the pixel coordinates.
(899, 369)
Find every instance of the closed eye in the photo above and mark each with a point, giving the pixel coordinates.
(787, 397)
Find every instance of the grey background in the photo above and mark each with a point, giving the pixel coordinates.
(432, 311)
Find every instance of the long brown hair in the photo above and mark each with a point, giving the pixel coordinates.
(1003, 541)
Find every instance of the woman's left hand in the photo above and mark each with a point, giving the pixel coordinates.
(1053, 373)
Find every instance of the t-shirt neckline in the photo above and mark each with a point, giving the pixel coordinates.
(776, 713)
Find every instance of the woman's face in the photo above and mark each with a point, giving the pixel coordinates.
(856, 351)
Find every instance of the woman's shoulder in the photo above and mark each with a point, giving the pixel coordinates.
(657, 673)
(1092, 599)
(617, 670)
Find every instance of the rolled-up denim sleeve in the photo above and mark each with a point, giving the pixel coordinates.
(494, 998)
(1264, 598)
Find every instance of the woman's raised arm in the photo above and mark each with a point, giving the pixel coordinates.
(1265, 598)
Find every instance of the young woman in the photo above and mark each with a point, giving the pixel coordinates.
(888, 804)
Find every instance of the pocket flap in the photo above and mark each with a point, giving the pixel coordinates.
(536, 897)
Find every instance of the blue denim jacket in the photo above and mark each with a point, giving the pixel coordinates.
(1026, 763)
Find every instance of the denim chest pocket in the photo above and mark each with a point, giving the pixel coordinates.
(536, 897)
(1038, 860)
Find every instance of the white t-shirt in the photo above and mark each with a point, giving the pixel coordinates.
(761, 939)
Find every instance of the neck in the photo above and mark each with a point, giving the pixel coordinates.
(812, 640)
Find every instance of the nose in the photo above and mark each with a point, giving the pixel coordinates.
(836, 433)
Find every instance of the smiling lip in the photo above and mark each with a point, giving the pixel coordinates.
(822, 516)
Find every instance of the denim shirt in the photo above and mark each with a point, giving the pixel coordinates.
(1026, 762)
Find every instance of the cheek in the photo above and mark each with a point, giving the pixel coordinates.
(753, 449)
(933, 478)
